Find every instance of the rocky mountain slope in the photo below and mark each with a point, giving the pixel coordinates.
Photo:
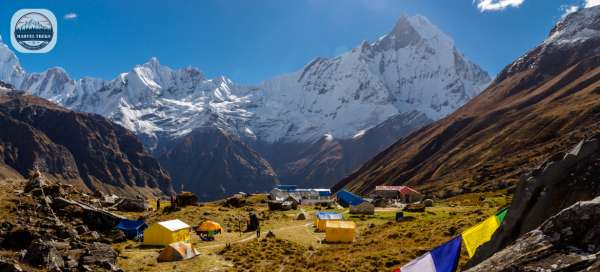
(413, 69)
(85, 150)
(207, 159)
(545, 101)
(329, 159)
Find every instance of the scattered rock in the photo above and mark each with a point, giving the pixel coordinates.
(67, 233)
(415, 207)
(428, 202)
(8, 266)
(301, 216)
(19, 239)
(235, 202)
(44, 254)
(81, 229)
(132, 205)
(72, 257)
(98, 254)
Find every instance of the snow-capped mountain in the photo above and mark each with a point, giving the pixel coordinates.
(416, 67)
(415, 70)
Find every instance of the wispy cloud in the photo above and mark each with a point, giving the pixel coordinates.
(591, 3)
(496, 5)
(70, 16)
(568, 9)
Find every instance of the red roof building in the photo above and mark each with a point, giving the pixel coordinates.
(403, 193)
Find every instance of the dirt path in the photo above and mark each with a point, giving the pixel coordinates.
(250, 237)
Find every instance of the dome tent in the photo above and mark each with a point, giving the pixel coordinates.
(207, 229)
(177, 252)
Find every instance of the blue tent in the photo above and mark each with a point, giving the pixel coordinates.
(347, 199)
(132, 228)
(329, 216)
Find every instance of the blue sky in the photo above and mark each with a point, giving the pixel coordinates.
(250, 41)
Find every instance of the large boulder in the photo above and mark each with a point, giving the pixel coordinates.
(363, 208)
(19, 238)
(557, 184)
(94, 218)
(101, 255)
(235, 202)
(132, 205)
(568, 241)
(44, 254)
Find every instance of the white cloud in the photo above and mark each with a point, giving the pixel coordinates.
(569, 9)
(70, 16)
(591, 3)
(495, 5)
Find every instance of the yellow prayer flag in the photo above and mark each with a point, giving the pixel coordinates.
(479, 234)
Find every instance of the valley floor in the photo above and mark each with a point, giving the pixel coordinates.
(381, 243)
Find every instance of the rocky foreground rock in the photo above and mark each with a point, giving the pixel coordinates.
(567, 241)
(58, 228)
(558, 183)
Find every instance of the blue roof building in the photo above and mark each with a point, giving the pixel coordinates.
(347, 199)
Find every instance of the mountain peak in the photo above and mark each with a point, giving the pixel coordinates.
(410, 31)
(153, 61)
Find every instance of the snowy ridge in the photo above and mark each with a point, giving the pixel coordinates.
(576, 27)
(416, 67)
(576, 35)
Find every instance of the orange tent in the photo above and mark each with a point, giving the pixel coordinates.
(177, 252)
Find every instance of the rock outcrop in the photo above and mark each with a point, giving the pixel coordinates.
(563, 180)
(567, 241)
(55, 227)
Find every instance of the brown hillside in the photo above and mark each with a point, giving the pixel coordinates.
(85, 150)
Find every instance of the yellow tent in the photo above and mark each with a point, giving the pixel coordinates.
(177, 252)
(340, 231)
(167, 232)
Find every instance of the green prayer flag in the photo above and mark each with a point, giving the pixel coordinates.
(501, 215)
